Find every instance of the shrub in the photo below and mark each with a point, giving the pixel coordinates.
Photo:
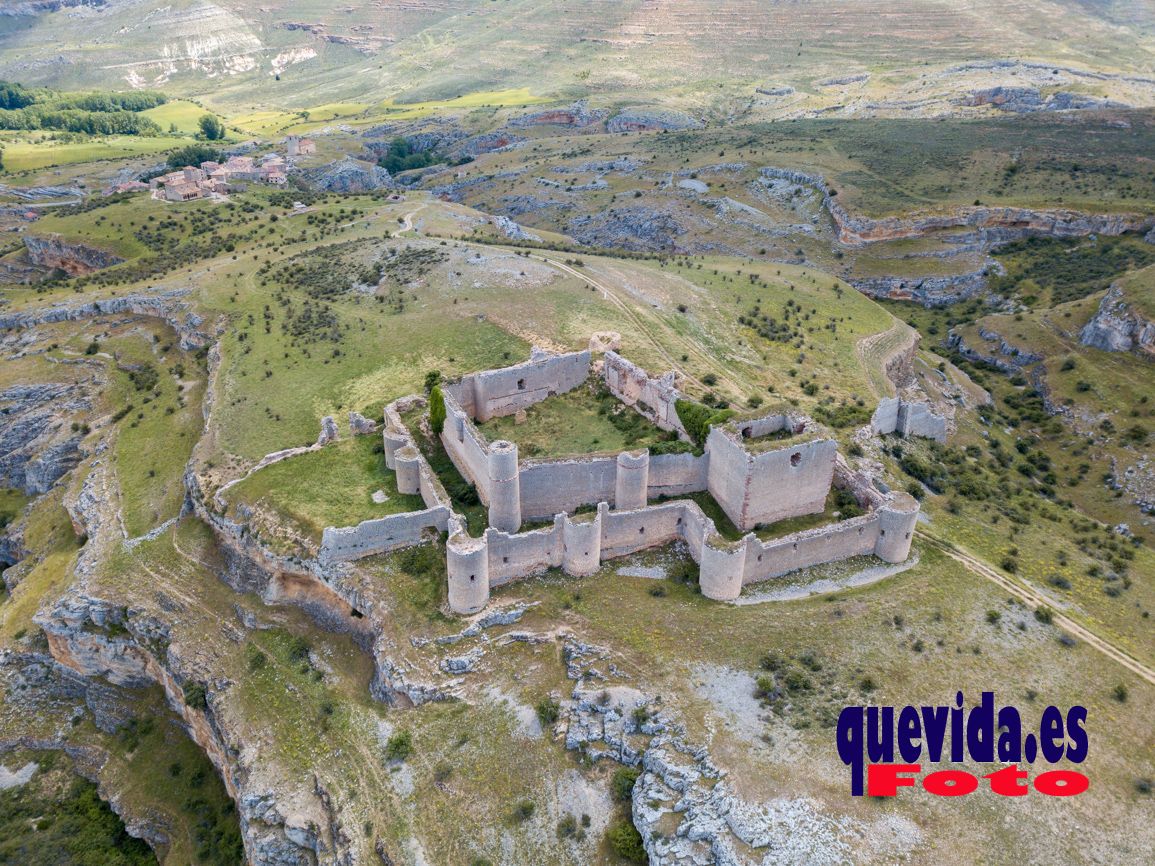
(1119, 693)
(627, 842)
(697, 418)
(567, 827)
(1044, 615)
(548, 711)
(399, 746)
(622, 783)
(523, 811)
(195, 695)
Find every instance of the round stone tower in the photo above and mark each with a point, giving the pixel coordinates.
(407, 464)
(467, 564)
(896, 522)
(393, 441)
(581, 539)
(721, 571)
(632, 483)
(504, 487)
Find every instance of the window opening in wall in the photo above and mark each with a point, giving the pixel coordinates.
(473, 577)
(641, 530)
(747, 432)
(356, 614)
(521, 384)
(882, 533)
(795, 458)
(505, 559)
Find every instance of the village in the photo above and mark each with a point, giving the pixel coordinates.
(219, 178)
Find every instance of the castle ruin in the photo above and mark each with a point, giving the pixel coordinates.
(599, 507)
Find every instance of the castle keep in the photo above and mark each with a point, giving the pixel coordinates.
(601, 506)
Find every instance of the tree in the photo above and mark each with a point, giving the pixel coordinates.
(194, 154)
(436, 410)
(211, 127)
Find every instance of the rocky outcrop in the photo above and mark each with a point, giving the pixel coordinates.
(169, 306)
(578, 114)
(348, 175)
(651, 120)
(37, 442)
(102, 641)
(1118, 327)
(512, 230)
(1026, 100)
(989, 224)
(639, 229)
(53, 253)
(1000, 354)
(928, 291)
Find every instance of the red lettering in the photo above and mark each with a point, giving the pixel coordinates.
(1061, 783)
(1005, 782)
(950, 783)
(882, 780)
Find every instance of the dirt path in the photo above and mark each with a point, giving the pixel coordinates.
(407, 221)
(1035, 599)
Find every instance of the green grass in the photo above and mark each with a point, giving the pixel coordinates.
(183, 114)
(329, 487)
(12, 503)
(586, 420)
(21, 155)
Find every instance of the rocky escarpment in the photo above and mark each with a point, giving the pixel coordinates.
(348, 175)
(997, 353)
(102, 641)
(651, 120)
(928, 291)
(1118, 327)
(988, 224)
(53, 253)
(579, 114)
(38, 444)
(631, 228)
(169, 306)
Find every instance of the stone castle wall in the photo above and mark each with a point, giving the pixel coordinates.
(494, 393)
(654, 398)
(772, 485)
(906, 418)
(579, 545)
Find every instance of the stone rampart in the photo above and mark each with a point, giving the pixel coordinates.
(906, 418)
(380, 535)
(656, 399)
(494, 393)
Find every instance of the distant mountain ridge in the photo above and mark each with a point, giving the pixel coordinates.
(719, 58)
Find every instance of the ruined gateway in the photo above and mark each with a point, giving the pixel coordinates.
(635, 493)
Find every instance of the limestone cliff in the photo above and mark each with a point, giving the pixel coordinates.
(1118, 327)
(54, 253)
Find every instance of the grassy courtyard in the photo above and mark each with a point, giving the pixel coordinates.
(333, 486)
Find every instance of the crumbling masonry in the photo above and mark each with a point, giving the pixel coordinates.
(754, 477)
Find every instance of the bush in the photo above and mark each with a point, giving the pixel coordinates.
(211, 127)
(697, 418)
(195, 695)
(622, 783)
(1119, 693)
(548, 711)
(1044, 615)
(399, 746)
(627, 842)
(567, 827)
(523, 811)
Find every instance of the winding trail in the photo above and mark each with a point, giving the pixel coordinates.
(1035, 600)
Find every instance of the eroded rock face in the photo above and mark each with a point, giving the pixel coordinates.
(576, 115)
(168, 306)
(639, 229)
(37, 443)
(54, 253)
(650, 120)
(348, 175)
(1118, 327)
